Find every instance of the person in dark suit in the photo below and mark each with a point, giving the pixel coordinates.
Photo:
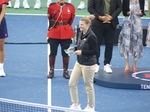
(106, 19)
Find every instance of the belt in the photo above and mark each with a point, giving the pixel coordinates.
(61, 23)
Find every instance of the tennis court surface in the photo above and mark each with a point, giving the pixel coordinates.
(26, 67)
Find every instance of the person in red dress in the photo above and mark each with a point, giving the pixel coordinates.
(3, 35)
(61, 16)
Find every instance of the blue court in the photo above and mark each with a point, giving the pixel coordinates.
(26, 67)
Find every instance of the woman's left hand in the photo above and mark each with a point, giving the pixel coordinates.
(78, 52)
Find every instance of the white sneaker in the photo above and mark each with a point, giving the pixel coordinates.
(97, 68)
(49, 2)
(89, 109)
(37, 4)
(81, 6)
(9, 4)
(26, 5)
(2, 73)
(17, 4)
(75, 107)
(69, 1)
(107, 68)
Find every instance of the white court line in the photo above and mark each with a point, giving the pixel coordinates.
(36, 14)
(62, 69)
(21, 14)
(46, 15)
(49, 90)
(49, 83)
(49, 79)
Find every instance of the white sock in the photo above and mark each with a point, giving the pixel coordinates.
(1, 65)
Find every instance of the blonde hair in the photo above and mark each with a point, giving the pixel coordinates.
(88, 19)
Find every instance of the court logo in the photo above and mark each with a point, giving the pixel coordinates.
(144, 76)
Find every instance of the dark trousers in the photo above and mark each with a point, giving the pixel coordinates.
(54, 43)
(105, 33)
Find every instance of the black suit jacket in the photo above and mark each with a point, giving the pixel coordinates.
(126, 4)
(96, 7)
